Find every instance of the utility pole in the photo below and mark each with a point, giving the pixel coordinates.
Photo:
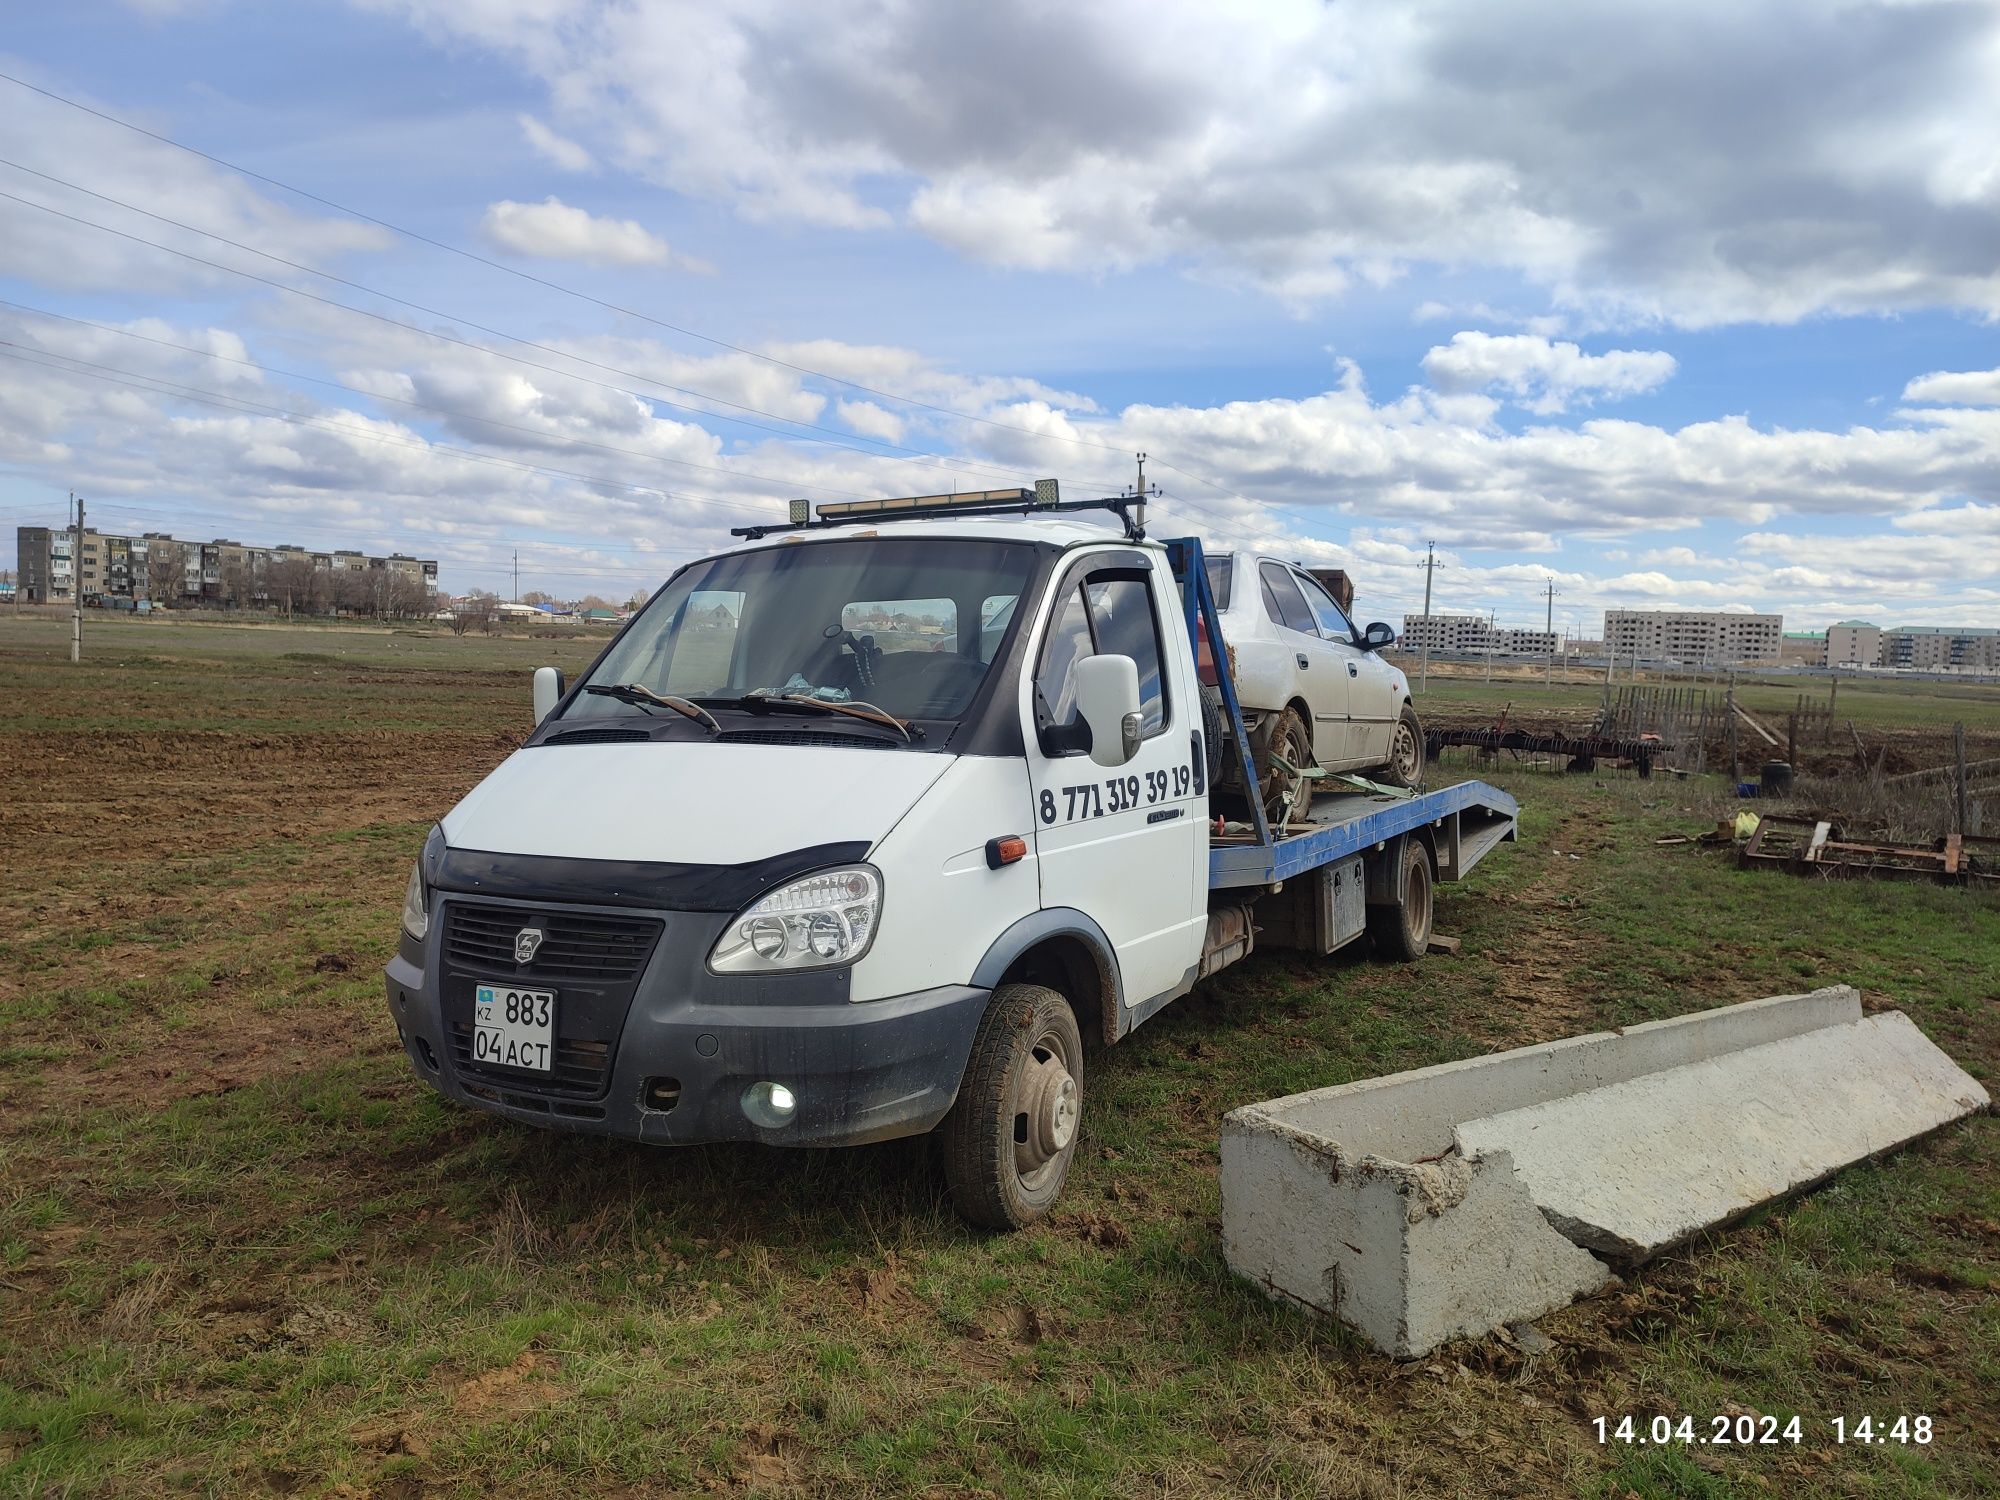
(76, 581)
(1424, 661)
(517, 575)
(1139, 493)
(1491, 617)
(1549, 669)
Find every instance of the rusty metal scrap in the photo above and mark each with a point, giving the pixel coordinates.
(1583, 750)
(1816, 846)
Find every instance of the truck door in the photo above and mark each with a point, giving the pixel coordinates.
(1124, 845)
(1322, 676)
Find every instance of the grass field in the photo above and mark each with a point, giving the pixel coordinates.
(243, 1251)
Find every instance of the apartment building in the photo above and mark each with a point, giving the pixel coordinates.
(1472, 634)
(1941, 648)
(1853, 643)
(1804, 648)
(1916, 648)
(1694, 635)
(223, 573)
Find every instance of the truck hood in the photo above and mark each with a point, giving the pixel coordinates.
(683, 803)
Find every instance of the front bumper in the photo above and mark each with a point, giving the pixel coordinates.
(861, 1072)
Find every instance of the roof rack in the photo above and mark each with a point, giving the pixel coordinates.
(1045, 498)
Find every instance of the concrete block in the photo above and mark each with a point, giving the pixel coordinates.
(1447, 1200)
(1633, 1168)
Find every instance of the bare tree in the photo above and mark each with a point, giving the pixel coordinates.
(476, 611)
(166, 564)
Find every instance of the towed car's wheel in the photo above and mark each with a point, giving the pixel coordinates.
(1010, 1136)
(1406, 752)
(1287, 795)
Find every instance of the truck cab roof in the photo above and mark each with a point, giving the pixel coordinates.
(1056, 531)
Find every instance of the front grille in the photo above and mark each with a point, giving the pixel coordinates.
(579, 1067)
(590, 960)
(573, 947)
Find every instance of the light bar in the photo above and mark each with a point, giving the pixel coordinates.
(1043, 494)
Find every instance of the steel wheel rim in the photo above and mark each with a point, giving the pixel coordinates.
(1048, 1107)
(1287, 796)
(1403, 753)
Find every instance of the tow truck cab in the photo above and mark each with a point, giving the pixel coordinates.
(853, 832)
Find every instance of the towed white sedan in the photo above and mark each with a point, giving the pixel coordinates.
(1314, 690)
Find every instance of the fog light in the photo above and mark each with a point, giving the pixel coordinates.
(769, 1105)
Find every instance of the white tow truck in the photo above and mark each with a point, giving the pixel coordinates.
(860, 829)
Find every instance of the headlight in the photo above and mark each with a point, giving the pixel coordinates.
(820, 922)
(416, 905)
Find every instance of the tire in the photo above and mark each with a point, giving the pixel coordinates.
(1287, 798)
(1213, 717)
(1402, 933)
(1406, 752)
(1010, 1136)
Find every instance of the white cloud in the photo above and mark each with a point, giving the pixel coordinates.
(558, 149)
(1864, 518)
(1964, 388)
(1543, 376)
(871, 420)
(554, 230)
(1698, 162)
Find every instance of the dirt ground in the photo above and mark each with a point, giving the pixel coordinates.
(242, 1250)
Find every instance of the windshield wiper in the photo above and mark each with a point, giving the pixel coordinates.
(632, 692)
(866, 713)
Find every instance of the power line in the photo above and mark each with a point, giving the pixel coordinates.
(462, 416)
(903, 453)
(556, 286)
(244, 406)
(608, 306)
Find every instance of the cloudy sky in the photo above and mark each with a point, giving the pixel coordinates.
(1683, 305)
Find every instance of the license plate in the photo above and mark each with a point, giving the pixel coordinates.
(513, 1028)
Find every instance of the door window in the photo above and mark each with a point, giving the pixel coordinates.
(1110, 614)
(1121, 614)
(1282, 600)
(1333, 624)
(1068, 640)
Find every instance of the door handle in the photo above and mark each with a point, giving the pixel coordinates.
(1304, 661)
(1352, 670)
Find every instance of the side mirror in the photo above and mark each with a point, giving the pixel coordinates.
(548, 692)
(1378, 636)
(1107, 699)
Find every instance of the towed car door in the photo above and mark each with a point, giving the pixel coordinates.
(1322, 677)
(1371, 693)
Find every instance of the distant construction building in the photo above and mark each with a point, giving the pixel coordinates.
(1694, 635)
(1472, 633)
(1916, 648)
(221, 574)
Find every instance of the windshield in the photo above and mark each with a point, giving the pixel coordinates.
(909, 624)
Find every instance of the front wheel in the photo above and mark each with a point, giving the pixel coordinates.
(1406, 752)
(1010, 1136)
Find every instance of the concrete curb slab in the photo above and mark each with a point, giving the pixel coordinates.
(1444, 1201)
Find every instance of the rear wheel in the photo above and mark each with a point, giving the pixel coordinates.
(1010, 1136)
(1403, 932)
(1287, 794)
